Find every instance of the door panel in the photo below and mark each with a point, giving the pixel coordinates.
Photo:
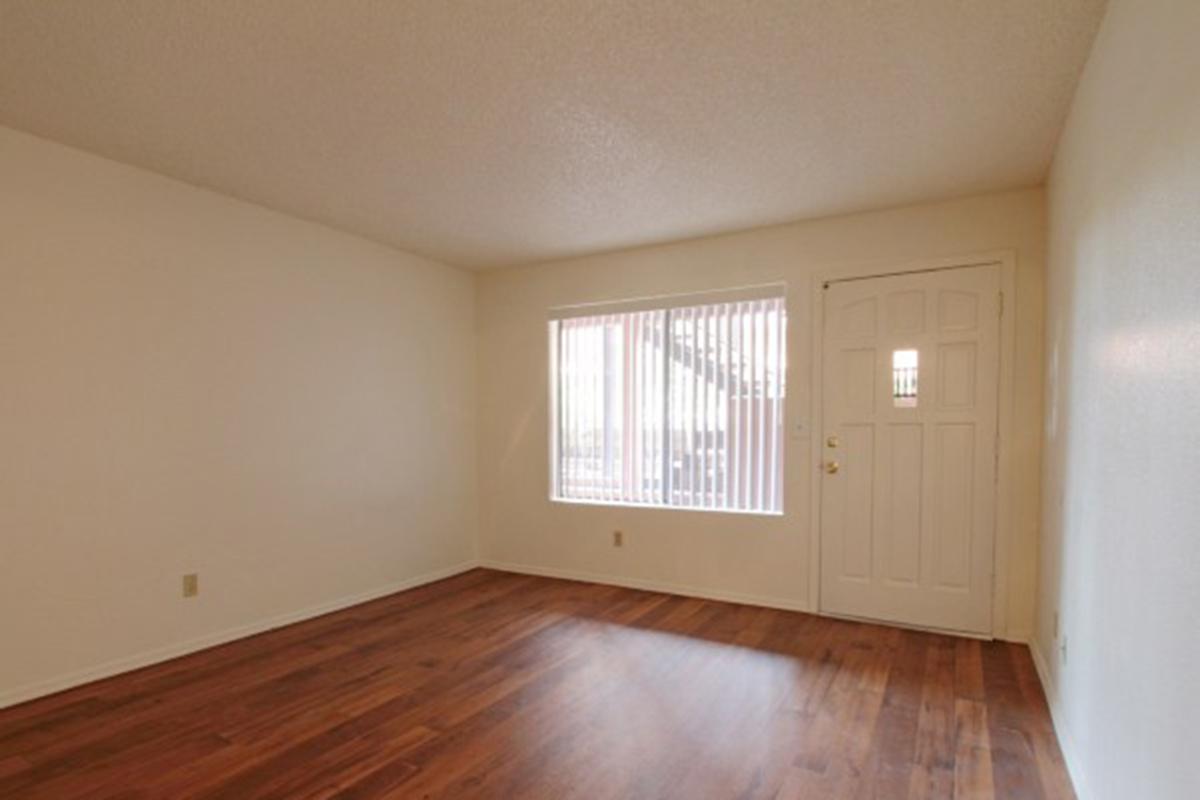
(956, 375)
(911, 366)
(859, 452)
(952, 509)
(901, 522)
(858, 381)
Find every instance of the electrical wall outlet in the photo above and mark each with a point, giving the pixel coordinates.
(618, 538)
(191, 584)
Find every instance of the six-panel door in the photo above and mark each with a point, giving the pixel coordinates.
(911, 364)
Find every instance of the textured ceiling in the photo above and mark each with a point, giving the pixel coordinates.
(493, 132)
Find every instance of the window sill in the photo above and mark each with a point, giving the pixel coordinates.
(659, 507)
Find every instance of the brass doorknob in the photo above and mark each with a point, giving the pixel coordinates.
(832, 466)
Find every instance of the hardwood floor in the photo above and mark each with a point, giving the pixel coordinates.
(497, 685)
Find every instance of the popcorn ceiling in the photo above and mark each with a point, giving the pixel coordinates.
(508, 131)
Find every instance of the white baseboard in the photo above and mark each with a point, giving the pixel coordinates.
(1065, 743)
(1018, 636)
(1043, 670)
(70, 680)
(649, 586)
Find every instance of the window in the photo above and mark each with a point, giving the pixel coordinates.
(904, 378)
(671, 404)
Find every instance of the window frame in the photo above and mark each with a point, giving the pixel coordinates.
(775, 439)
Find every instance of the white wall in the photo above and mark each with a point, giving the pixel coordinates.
(738, 556)
(190, 383)
(1121, 546)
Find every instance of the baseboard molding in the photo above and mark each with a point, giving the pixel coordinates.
(1019, 636)
(60, 683)
(1065, 743)
(648, 585)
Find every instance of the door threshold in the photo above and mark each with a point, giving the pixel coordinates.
(908, 626)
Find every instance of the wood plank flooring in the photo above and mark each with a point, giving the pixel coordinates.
(507, 686)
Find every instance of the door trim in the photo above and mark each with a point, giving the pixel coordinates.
(1002, 537)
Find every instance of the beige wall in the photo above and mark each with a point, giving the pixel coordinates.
(190, 383)
(1121, 546)
(738, 556)
(198, 384)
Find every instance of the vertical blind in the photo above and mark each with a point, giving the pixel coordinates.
(679, 406)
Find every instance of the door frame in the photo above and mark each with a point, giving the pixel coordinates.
(1002, 536)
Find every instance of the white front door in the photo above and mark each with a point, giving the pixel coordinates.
(911, 365)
